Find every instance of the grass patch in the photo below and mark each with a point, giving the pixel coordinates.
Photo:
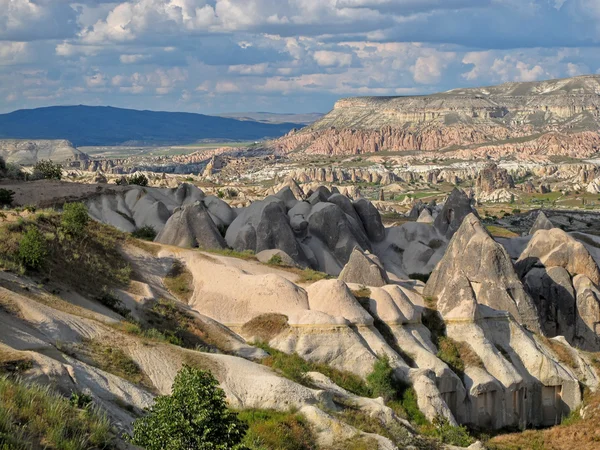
(69, 258)
(152, 249)
(458, 355)
(277, 430)
(180, 282)
(295, 368)
(35, 417)
(561, 352)
(247, 255)
(501, 232)
(13, 361)
(266, 326)
(112, 360)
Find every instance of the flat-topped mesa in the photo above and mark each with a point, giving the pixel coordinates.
(560, 116)
(475, 271)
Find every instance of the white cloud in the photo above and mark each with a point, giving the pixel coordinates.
(429, 69)
(132, 59)
(326, 58)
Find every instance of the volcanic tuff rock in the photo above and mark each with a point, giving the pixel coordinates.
(364, 269)
(562, 277)
(541, 223)
(555, 117)
(29, 152)
(457, 207)
(491, 178)
(476, 270)
(191, 226)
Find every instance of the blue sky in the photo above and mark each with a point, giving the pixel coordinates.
(212, 56)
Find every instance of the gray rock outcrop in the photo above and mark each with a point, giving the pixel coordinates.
(457, 207)
(190, 227)
(541, 223)
(364, 269)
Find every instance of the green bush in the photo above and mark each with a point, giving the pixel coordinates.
(47, 170)
(275, 260)
(195, 415)
(139, 179)
(381, 379)
(448, 434)
(74, 218)
(277, 430)
(146, 233)
(33, 249)
(6, 196)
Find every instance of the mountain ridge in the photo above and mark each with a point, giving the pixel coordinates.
(107, 125)
(555, 117)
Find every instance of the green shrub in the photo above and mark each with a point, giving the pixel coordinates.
(74, 218)
(195, 415)
(448, 434)
(275, 260)
(33, 249)
(381, 379)
(47, 170)
(138, 179)
(277, 430)
(146, 233)
(80, 400)
(6, 197)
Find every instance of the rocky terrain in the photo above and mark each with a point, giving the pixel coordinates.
(556, 117)
(28, 152)
(489, 333)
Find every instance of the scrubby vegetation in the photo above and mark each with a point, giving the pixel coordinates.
(6, 197)
(145, 233)
(277, 430)
(32, 416)
(246, 254)
(179, 281)
(265, 327)
(295, 368)
(195, 415)
(138, 179)
(67, 248)
(47, 170)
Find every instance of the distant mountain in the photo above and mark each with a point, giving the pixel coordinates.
(554, 117)
(267, 117)
(105, 125)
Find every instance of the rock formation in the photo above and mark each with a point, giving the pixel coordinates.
(541, 223)
(191, 226)
(562, 277)
(461, 117)
(457, 207)
(364, 269)
(492, 178)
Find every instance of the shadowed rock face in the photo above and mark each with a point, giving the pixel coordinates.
(191, 226)
(364, 269)
(541, 223)
(476, 270)
(562, 278)
(457, 207)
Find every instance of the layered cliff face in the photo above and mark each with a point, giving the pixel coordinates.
(557, 117)
(28, 152)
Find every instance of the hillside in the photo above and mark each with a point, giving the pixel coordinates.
(268, 117)
(28, 152)
(105, 125)
(558, 117)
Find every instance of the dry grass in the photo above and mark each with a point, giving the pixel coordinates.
(13, 361)
(266, 326)
(501, 232)
(562, 353)
(111, 359)
(575, 432)
(180, 282)
(146, 246)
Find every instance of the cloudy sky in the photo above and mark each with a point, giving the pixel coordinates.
(214, 56)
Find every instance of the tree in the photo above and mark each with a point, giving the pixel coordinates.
(47, 170)
(381, 379)
(33, 249)
(74, 218)
(138, 179)
(194, 416)
(6, 196)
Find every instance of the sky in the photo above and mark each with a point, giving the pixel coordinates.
(216, 56)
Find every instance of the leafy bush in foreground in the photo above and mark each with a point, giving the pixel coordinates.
(47, 170)
(33, 249)
(195, 415)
